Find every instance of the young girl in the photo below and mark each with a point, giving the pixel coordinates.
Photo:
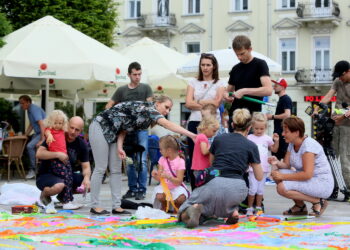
(172, 168)
(206, 129)
(264, 143)
(56, 124)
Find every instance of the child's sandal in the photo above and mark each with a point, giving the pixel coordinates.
(301, 211)
(323, 205)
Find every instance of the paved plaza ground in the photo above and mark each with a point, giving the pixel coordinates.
(80, 229)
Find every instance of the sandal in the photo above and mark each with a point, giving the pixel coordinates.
(301, 211)
(323, 203)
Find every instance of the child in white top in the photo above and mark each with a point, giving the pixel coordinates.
(264, 143)
(172, 168)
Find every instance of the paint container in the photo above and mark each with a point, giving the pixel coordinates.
(27, 209)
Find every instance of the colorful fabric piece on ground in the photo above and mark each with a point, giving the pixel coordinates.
(39, 231)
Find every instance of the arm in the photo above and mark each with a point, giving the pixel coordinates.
(218, 98)
(120, 142)
(265, 90)
(211, 158)
(190, 102)
(258, 171)
(42, 132)
(326, 99)
(110, 104)
(156, 172)
(175, 128)
(304, 175)
(175, 180)
(276, 140)
(286, 114)
(49, 137)
(86, 174)
(204, 148)
(280, 164)
(44, 154)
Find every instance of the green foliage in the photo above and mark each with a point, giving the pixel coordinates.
(5, 28)
(7, 114)
(95, 18)
(68, 109)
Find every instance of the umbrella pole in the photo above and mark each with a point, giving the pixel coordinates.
(47, 88)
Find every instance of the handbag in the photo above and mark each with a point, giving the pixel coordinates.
(206, 175)
(174, 175)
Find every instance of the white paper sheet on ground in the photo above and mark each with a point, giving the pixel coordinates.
(19, 194)
(150, 213)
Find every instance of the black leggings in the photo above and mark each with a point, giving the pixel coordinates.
(192, 127)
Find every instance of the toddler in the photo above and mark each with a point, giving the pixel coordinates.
(172, 168)
(264, 143)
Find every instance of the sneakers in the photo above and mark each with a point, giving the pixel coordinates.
(129, 194)
(50, 208)
(250, 211)
(71, 206)
(140, 196)
(30, 174)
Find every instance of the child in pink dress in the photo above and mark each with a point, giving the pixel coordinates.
(264, 143)
(172, 168)
(206, 129)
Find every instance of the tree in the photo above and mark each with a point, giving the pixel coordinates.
(7, 114)
(5, 28)
(95, 18)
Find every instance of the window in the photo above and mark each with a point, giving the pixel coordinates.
(288, 48)
(240, 5)
(322, 53)
(285, 4)
(134, 8)
(193, 7)
(321, 3)
(193, 47)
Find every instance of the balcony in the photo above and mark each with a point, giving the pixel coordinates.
(309, 12)
(313, 77)
(153, 21)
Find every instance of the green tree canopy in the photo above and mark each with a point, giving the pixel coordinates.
(95, 18)
(5, 28)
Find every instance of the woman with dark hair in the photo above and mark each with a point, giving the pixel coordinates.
(230, 155)
(312, 178)
(207, 88)
(107, 133)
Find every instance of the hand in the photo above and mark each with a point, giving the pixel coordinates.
(228, 98)
(239, 94)
(347, 114)
(62, 157)
(86, 183)
(268, 116)
(121, 154)
(338, 119)
(193, 137)
(165, 175)
(50, 139)
(272, 160)
(277, 176)
(275, 137)
(39, 143)
(154, 173)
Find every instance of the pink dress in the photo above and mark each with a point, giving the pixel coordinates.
(59, 144)
(200, 161)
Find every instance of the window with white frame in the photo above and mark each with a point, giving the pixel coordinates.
(322, 53)
(322, 3)
(286, 4)
(193, 7)
(193, 47)
(240, 5)
(134, 8)
(288, 48)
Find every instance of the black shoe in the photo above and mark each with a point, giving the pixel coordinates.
(129, 194)
(140, 196)
(103, 212)
(124, 212)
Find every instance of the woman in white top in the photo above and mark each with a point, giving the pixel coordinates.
(206, 88)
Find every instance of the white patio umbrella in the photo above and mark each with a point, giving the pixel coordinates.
(160, 63)
(226, 60)
(50, 49)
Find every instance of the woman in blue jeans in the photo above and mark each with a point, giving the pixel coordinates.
(107, 133)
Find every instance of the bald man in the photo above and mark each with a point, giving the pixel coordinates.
(78, 151)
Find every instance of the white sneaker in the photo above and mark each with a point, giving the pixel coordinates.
(250, 211)
(50, 208)
(71, 206)
(30, 174)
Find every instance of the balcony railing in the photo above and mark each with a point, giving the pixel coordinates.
(309, 10)
(153, 21)
(313, 76)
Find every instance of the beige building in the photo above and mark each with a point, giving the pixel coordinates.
(306, 37)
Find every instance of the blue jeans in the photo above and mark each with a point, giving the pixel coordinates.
(31, 149)
(137, 179)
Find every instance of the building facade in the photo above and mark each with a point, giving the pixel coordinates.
(306, 37)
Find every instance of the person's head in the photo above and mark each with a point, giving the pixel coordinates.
(280, 85)
(169, 146)
(293, 128)
(56, 120)
(208, 126)
(208, 67)
(208, 110)
(241, 120)
(163, 104)
(342, 71)
(75, 127)
(259, 124)
(134, 72)
(25, 101)
(242, 47)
